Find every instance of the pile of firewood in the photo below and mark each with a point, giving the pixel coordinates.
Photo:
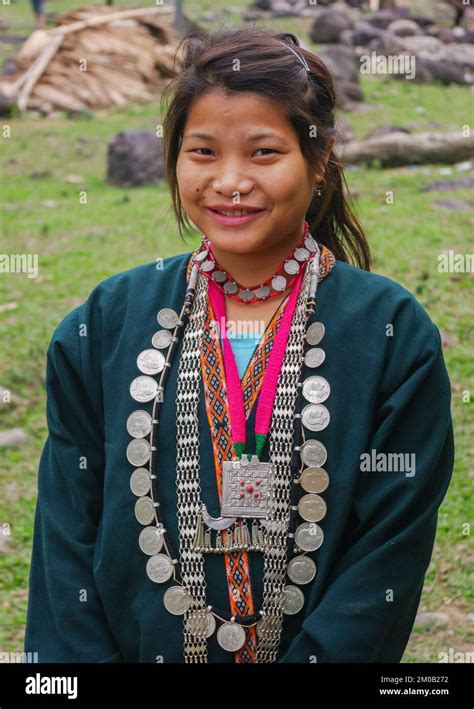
(95, 57)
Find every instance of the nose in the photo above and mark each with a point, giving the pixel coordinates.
(230, 178)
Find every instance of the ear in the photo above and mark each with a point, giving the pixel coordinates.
(319, 177)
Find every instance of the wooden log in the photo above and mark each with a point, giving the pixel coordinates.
(397, 149)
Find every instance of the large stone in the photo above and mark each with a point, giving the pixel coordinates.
(13, 437)
(383, 18)
(343, 65)
(404, 28)
(328, 26)
(135, 157)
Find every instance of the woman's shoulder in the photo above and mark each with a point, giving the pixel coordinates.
(127, 294)
(373, 300)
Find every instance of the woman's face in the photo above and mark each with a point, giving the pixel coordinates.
(233, 166)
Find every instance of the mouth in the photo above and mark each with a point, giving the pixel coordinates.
(234, 217)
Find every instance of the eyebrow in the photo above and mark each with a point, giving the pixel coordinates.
(251, 138)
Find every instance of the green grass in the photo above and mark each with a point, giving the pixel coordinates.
(79, 245)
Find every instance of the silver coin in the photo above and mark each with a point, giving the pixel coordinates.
(279, 283)
(144, 510)
(314, 480)
(143, 389)
(310, 243)
(162, 339)
(167, 318)
(138, 452)
(201, 255)
(140, 482)
(301, 254)
(315, 417)
(150, 361)
(230, 287)
(151, 540)
(177, 600)
(159, 568)
(316, 389)
(207, 266)
(266, 625)
(314, 357)
(292, 267)
(139, 424)
(301, 569)
(315, 333)
(231, 636)
(246, 294)
(201, 624)
(309, 536)
(262, 292)
(313, 453)
(219, 276)
(293, 600)
(312, 508)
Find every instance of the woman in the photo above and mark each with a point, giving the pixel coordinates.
(200, 501)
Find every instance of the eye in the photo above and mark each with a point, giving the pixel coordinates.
(195, 149)
(270, 150)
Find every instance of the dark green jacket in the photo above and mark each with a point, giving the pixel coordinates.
(90, 599)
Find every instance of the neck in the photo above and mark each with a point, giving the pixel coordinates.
(250, 269)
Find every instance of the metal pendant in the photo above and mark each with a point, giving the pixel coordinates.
(279, 283)
(231, 636)
(167, 318)
(145, 510)
(314, 480)
(293, 600)
(219, 276)
(138, 452)
(301, 569)
(139, 424)
(315, 333)
(246, 487)
(150, 361)
(313, 453)
(262, 292)
(309, 536)
(177, 600)
(310, 243)
(315, 417)
(314, 357)
(159, 568)
(143, 389)
(201, 624)
(316, 389)
(230, 287)
(161, 339)
(301, 254)
(151, 540)
(216, 522)
(312, 508)
(291, 267)
(140, 482)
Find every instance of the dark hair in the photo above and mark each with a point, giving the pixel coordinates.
(307, 100)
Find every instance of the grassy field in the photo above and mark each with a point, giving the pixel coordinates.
(44, 166)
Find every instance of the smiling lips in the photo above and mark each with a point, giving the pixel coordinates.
(234, 215)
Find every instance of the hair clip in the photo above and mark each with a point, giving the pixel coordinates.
(299, 56)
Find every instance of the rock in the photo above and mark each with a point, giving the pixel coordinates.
(328, 26)
(467, 38)
(13, 437)
(449, 186)
(345, 132)
(454, 205)
(404, 28)
(383, 18)
(343, 65)
(135, 157)
(261, 5)
(447, 36)
(422, 45)
(284, 9)
(423, 21)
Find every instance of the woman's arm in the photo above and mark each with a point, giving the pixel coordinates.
(368, 610)
(66, 620)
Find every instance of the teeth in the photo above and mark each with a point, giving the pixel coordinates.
(238, 213)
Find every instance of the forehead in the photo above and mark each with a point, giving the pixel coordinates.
(246, 113)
